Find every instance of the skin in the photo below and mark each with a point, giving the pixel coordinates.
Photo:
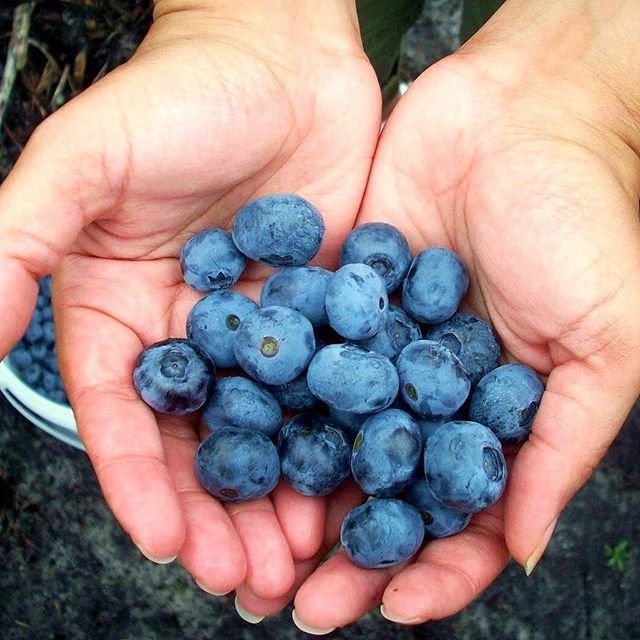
(520, 152)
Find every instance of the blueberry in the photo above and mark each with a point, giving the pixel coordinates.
(397, 331)
(464, 466)
(433, 381)
(52, 364)
(20, 358)
(42, 302)
(39, 351)
(300, 288)
(32, 374)
(314, 454)
(380, 246)
(49, 332)
(351, 378)
(435, 284)
(34, 332)
(274, 344)
(174, 376)
(45, 287)
(50, 382)
(350, 423)
(214, 321)
(295, 395)
(381, 533)
(58, 396)
(386, 453)
(210, 261)
(428, 427)
(356, 301)
(506, 400)
(281, 230)
(240, 402)
(472, 340)
(47, 314)
(439, 521)
(237, 465)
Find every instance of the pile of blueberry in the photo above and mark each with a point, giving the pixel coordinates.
(34, 358)
(408, 398)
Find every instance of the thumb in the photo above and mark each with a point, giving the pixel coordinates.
(583, 407)
(57, 187)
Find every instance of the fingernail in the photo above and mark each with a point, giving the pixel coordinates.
(385, 614)
(534, 558)
(245, 615)
(148, 556)
(307, 629)
(213, 593)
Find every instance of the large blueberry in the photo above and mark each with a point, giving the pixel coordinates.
(295, 395)
(356, 301)
(397, 331)
(213, 322)
(300, 288)
(435, 284)
(351, 378)
(237, 465)
(240, 402)
(381, 533)
(506, 400)
(314, 454)
(349, 422)
(282, 230)
(472, 340)
(210, 261)
(386, 453)
(274, 344)
(464, 466)
(382, 247)
(439, 521)
(433, 381)
(174, 376)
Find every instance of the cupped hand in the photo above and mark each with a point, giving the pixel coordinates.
(531, 173)
(220, 104)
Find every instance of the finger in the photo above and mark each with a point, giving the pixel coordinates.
(449, 573)
(270, 570)
(212, 551)
(339, 593)
(581, 412)
(248, 603)
(302, 519)
(119, 431)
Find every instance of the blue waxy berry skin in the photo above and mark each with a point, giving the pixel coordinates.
(351, 378)
(237, 465)
(464, 466)
(295, 395)
(380, 246)
(386, 453)
(274, 344)
(301, 288)
(350, 423)
(210, 261)
(381, 533)
(397, 331)
(506, 400)
(213, 322)
(472, 340)
(433, 381)
(174, 376)
(281, 230)
(439, 521)
(240, 402)
(434, 286)
(356, 302)
(314, 454)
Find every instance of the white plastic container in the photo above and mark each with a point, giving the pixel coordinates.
(56, 419)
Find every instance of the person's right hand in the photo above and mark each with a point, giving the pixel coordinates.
(222, 103)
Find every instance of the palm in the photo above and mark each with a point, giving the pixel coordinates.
(457, 166)
(187, 145)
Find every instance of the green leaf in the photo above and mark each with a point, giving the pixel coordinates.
(383, 24)
(476, 13)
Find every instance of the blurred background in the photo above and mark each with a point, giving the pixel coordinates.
(68, 570)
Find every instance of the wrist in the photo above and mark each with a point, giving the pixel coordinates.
(580, 56)
(331, 25)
